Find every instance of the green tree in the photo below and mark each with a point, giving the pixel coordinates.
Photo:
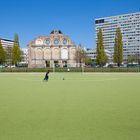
(118, 47)
(16, 51)
(9, 55)
(88, 61)
(2, 54)
(101, 56)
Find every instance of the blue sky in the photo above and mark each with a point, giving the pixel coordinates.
(75, 18)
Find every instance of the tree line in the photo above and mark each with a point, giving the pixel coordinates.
(80, 56)
(101, 58)
(12, 54)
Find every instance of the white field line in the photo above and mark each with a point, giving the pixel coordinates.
(90, 73)
(21, 73)
(111, 79)
(102, 80)
(24, 79)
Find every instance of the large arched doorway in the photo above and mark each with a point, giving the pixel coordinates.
(56, 64)
(47, 64)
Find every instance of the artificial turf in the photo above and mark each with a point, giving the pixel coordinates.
(70, 106)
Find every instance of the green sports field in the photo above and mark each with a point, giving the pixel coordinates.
(94, 106)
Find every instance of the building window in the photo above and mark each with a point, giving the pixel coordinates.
(99, 21)
(47, 41)
(56, 42)
(64, 41)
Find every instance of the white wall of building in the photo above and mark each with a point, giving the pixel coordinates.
(130, 27)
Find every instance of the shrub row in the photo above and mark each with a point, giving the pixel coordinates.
(137, 69)
(112, 69)
(24, 70)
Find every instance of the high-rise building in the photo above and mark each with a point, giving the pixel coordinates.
(130, 28)
(92, 53)
(24, 56)
(7, 45)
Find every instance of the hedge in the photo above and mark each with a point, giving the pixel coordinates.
(136, 69)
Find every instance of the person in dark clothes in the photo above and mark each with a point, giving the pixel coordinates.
(47, 76)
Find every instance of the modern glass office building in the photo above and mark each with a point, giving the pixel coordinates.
(130, 27)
